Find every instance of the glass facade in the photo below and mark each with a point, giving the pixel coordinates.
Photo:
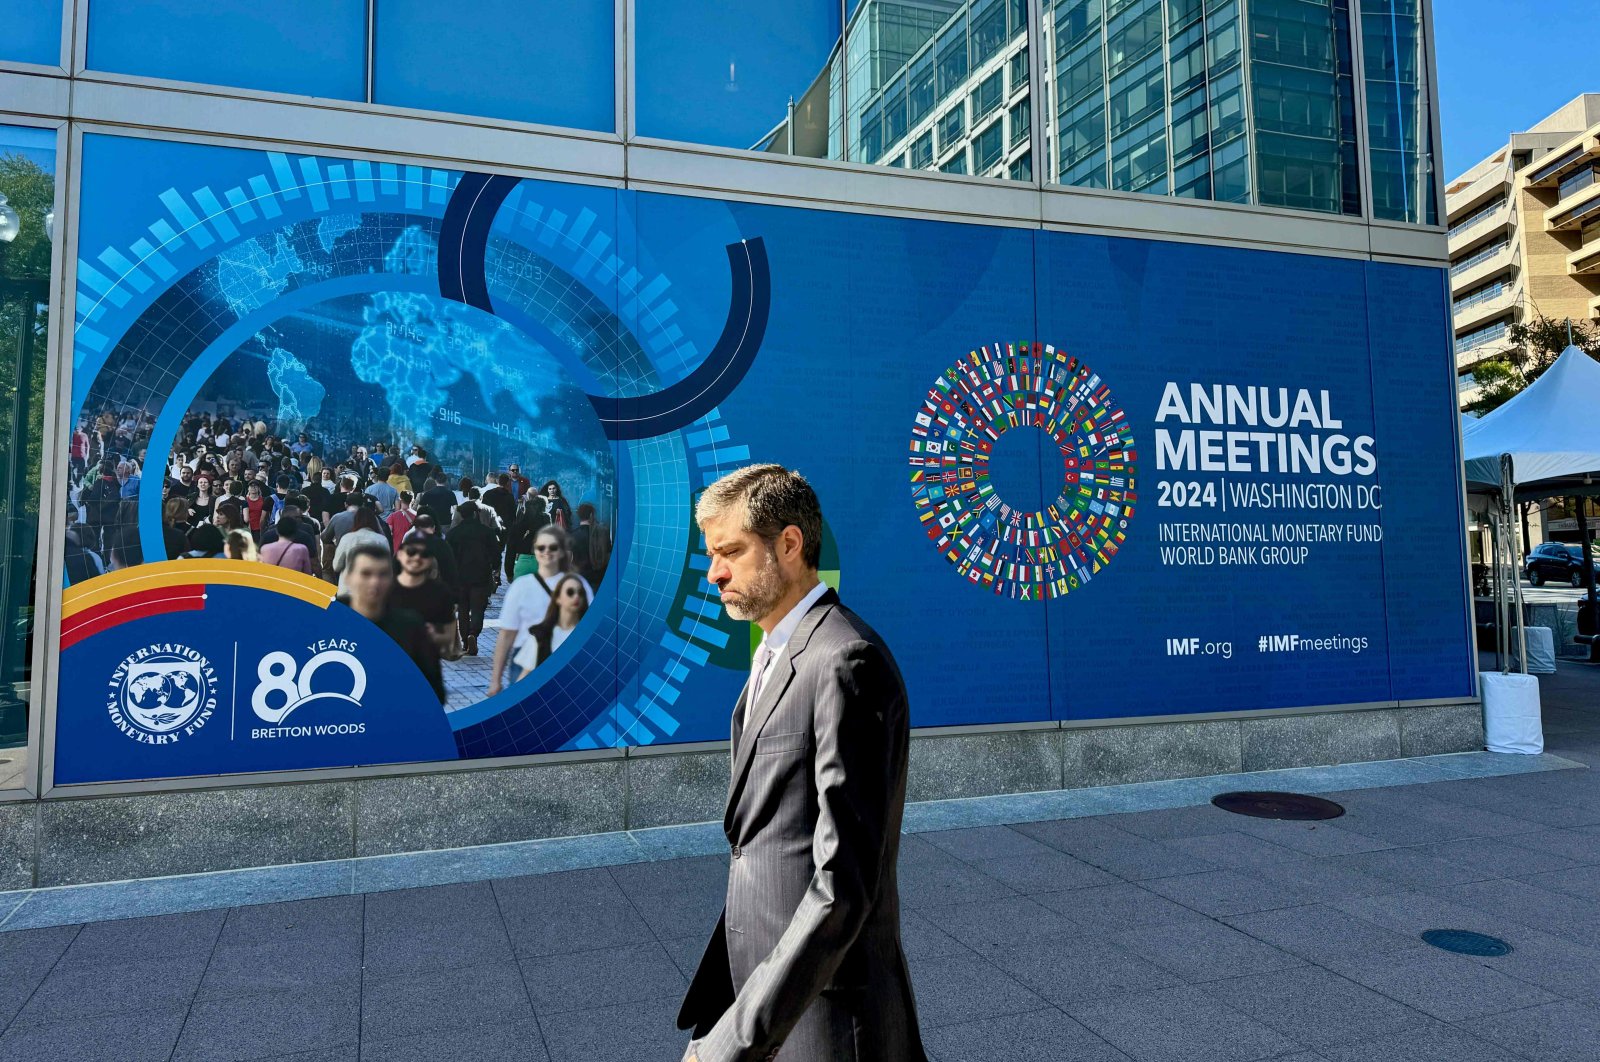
(313, 228)
(1237, 101)
(733, 74)
(32, 33)
(1399, 130)
(521, 88)
(957, 69)
(311, 47)
(27, 231)
(1302, 81)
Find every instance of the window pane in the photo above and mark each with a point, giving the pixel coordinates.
(1135, 78)
(553, 63)
(988, 147)
(32, 32)
(940, 56)
(1399, 126)
(1020, 119)
(988, 96)
(1302, 77)
(735, 74)
(310, 47)
(27, 190)
(952, 129)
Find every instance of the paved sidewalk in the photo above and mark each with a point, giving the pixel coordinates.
(1176, 934)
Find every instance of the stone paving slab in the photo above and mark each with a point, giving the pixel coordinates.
(1131, 924)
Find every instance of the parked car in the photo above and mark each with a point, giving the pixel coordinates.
(1557, 562)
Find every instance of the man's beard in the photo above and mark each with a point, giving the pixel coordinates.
(764, 590)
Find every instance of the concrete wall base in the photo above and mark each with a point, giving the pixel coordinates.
(72, 841)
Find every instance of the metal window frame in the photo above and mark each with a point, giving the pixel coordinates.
(49, 548)
(1358, 74)
(372, 51)
(1430, 60)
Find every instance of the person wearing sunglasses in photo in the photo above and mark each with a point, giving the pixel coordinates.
(419, 588)
(567, 609)
(528, 600)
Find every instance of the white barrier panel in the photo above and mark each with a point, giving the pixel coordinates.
(1511, 721)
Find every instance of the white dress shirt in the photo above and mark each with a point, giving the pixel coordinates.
(779, 638)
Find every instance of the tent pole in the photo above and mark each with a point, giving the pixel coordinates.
(1508, 505)
(1588, 561)
(1500, 613)
(1522, 622)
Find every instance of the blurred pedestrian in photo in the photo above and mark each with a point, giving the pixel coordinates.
(369, 582)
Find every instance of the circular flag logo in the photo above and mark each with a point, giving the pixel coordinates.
(1012, 550)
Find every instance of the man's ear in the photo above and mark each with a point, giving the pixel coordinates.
(793, 542)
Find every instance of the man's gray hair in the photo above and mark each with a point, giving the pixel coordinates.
(767, 499)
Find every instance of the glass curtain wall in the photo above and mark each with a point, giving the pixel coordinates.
(1399, 130)
(1149, 97)
(32, 33)
(938, 84)
(1302, 78)
(733, 74)
(1156, 96)
(917, 84)
(27, 231)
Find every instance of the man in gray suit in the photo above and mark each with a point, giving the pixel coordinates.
(805, 964)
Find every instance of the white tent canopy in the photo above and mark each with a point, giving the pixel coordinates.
(1551, 430)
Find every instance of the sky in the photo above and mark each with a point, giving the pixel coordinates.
(1505, 64)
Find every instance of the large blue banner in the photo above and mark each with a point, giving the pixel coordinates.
(1067, 477)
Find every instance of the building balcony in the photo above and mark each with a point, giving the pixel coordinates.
(1485, 229)
(1575, 211)
(1463, 202)
(1477, 314)
(1548, 172)
(1467, 360)
(1465, 277)
(1585, 261)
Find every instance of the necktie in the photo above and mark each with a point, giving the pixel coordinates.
(763, 658)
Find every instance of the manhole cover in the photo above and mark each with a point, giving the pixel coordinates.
(1295, 806)
(1466, 942)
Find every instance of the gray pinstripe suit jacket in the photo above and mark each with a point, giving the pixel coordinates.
(805, 964)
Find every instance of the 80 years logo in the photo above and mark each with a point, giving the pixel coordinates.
(162, 693)
(283, 686)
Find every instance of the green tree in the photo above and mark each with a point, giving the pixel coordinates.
(29, 190)
(1533, 347)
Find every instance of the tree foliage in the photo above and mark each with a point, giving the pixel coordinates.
(30, 190)
(1533, 346)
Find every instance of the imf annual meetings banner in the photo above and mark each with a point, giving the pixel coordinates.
(1067, 477)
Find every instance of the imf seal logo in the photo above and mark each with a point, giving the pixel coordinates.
(162, 693)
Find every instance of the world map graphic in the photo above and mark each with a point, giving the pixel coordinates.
(400, 364)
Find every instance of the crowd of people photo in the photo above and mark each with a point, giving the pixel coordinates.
(430, 557)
